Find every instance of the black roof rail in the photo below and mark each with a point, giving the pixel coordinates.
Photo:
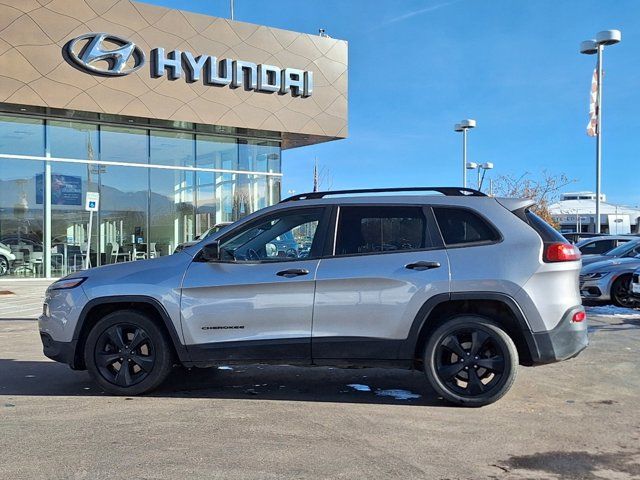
(448, 191)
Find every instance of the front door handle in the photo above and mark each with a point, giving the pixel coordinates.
(292, 272)
(420, 266)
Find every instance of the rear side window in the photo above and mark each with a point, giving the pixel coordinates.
(364, 230)
(546, 231)
(460, 226)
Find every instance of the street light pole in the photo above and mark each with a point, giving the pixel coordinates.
(463, 126)
(590, 47)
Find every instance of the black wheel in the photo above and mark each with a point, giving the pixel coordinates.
(470, 361)
(621, 292)
(126, 353)
(4, 266)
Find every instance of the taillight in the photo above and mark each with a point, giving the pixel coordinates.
(579, 317)
(561, 252)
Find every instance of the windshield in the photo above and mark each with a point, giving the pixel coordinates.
(623, 249)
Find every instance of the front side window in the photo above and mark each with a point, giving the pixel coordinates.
(285, 236)
(460, 225)
(364, 230)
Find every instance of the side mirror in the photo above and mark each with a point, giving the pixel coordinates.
(210, 252)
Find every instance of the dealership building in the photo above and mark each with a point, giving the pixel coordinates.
(171, 121)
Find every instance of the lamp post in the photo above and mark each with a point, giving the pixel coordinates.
(463, 126)
(591, 47)
(481, 170)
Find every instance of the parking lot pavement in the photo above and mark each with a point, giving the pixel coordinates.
(577, 419)
(21, 299)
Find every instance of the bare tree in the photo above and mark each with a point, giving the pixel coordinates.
(544, 190)
(322, 177)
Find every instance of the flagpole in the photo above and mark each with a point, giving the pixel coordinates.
(599, 138)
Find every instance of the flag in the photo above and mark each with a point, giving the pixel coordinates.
(594, 106)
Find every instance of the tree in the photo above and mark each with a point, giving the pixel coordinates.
(544, 190)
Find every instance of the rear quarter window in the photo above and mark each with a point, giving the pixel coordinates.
(461, 226)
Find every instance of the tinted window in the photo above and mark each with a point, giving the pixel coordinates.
(459, 225)
(364, 230)
(597, 247)
(546, 231)
(284, 236)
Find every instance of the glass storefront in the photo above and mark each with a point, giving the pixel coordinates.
(158, 188)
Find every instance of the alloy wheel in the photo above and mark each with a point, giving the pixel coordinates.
(125, 354)
(621, 292)
(470, 361)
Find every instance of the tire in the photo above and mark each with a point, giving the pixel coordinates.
(4, 265)
(128, 338)
(484, 367)
(620, 292)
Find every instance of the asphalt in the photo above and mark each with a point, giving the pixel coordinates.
(577, 419)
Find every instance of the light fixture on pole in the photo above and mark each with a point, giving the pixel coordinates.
(591, 47)
(484, 166)
(463, 126)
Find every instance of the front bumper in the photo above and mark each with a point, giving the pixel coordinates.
(63, 352)
(598, 290)
(565, 341)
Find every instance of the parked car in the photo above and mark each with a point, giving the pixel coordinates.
(624, 250)
(6, 259)
(609, 281)
(412, 281)
(216, 228)
(635, 286)
(600, 245)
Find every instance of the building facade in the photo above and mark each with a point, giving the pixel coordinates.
(576, 212)
(176, 120)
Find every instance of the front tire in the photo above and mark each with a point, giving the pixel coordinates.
(127, 353)
(621, 292)
(470, 361)
(4, 266)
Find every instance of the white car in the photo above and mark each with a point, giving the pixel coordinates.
(6, 259)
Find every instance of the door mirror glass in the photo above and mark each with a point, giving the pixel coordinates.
(210, 252)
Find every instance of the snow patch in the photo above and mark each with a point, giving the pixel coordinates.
(398, 394)
(359, 387)
(224, 367)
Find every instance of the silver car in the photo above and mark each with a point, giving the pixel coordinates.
(609, 281)
(459, 285)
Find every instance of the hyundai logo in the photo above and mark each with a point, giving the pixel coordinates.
(98, 57)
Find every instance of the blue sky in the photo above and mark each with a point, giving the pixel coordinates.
(416, 67)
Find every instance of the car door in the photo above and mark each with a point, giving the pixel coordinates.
(386, 262)
(256, 302)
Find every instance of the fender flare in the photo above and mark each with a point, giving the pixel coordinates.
(407, 350)
(181, 350)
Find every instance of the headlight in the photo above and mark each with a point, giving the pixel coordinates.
(67, 283)
(596, 275)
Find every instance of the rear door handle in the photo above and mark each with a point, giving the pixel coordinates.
(420, 266)
(292, 272)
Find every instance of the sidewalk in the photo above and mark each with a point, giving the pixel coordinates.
(24, 300)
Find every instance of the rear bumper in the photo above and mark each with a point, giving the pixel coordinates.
(63, 352)
(565, 341)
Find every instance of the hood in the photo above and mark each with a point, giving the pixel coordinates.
(118, 276)
(612, 265)
(590, 259)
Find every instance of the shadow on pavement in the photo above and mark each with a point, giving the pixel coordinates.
(253, 382)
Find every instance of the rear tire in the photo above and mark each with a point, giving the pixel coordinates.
(127, 353)
(470, 361)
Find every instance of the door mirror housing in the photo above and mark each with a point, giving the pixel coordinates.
(210, 252)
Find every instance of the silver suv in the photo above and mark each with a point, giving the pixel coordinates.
(460, 285)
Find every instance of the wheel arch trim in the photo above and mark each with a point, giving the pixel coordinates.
(421, 318)
(181, 349)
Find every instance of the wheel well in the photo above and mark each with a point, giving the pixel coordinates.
(496, 310)
(97, 312)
